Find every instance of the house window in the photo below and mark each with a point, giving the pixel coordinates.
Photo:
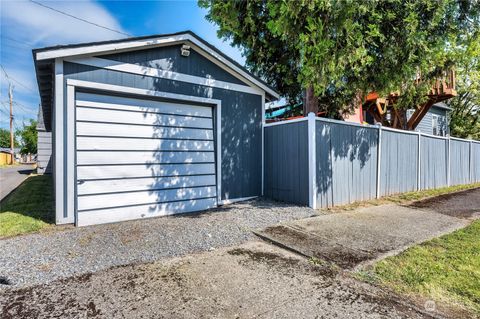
(435, 126)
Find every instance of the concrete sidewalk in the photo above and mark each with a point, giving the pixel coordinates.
(12, 177)
(350, 239)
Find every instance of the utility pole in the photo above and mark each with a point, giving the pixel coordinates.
(10, 95)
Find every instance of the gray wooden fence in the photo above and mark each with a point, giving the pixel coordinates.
(322, 162)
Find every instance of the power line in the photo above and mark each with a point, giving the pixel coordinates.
(18, 41)
(10, 78)
(86, 21)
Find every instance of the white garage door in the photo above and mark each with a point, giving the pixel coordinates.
(141, 158)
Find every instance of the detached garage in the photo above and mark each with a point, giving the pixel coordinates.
(149, 126)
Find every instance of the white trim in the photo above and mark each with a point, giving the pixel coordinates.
(236, 200)
(449, 157)
(70, 153)
(323, 119)
(149, 43)
(434, 136)
(128, 90)
(286, 122)
(263, 144)
(135, 91)
(59, 131)
(163, 74)
(419, 162)
(399, 131)
(470, 162)
(379, 160)
(460, 139)
(312, 154)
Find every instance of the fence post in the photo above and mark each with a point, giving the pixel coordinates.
(470, 162)
(419, 170)
(379, 158)
(448, 162)
(312, 162)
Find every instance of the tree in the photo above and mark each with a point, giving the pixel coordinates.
(345, 49)
(28, 136)
(5, 138)
(465, 115)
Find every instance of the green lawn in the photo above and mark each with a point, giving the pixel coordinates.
(445, 269)
(29, 208)
(404, 198)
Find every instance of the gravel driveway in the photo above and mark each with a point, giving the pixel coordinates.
(41, 258)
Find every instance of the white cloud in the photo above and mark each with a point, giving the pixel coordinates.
(42, 26)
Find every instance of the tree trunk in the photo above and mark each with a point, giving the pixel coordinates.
(311, 102)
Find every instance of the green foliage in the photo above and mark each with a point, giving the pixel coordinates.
(446, 269)
(345, 49)
(29, 136)
(29, 208)
(465, 117)
(5, 138)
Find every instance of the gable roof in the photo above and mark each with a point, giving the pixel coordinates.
(137, 43)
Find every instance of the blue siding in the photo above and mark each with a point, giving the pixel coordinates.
(170, 59)
(425, 125)
(286, 162)
(241, 123)
(399, 161)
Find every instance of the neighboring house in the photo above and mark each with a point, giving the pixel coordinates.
(44, 143)
(149, 126)
(5, 156)
(435, 121)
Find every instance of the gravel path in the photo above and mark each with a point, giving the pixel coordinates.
(41, 258)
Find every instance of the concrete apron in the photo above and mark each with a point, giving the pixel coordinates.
(354, 239)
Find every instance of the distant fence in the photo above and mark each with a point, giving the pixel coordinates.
(322, 162)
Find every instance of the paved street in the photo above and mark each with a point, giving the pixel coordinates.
(11, 177)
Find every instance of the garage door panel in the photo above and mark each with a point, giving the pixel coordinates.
(129, 130)
(129, 171)
(120, 116)
(120, 103)
(88, 202)
(111, 215)
(139, 157)
(141, 144)
(139, 184)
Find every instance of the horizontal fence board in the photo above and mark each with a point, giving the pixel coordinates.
(140, 144)
(139, 184)
(88, 202)
(110, 215)
(154, 170)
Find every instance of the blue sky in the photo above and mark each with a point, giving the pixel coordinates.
(26, 25)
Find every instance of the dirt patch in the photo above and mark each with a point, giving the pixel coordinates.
(313, 246)
(464, 204)
(208, 285)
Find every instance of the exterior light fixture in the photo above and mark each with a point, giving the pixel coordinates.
(185, 50)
